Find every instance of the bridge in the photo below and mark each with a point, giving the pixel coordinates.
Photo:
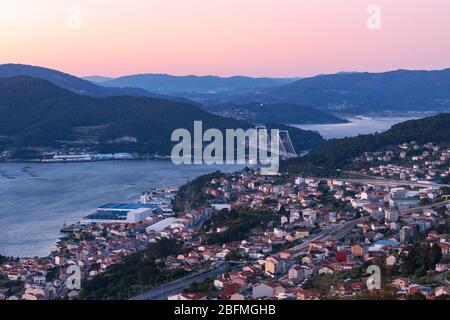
(286, 148)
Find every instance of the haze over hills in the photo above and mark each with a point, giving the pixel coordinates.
(354, 92)
(214, 87)
(168, 84)
(97, 79)
(396, 90)
(35, 113)
(277, 112)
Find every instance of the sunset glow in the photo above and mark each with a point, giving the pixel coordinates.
(225, 37)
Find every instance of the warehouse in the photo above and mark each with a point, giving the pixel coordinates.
(121, 213)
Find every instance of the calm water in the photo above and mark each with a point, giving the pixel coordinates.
(357, 125)
(37, 199)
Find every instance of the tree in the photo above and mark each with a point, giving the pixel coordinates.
(435, 255)
(134, 273)
(233, 256)
(420, 273)
(416, 296)
(421, 258)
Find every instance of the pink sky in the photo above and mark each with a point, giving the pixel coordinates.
(225, 37)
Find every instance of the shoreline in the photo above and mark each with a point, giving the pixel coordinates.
(83, 161)
(59, 193)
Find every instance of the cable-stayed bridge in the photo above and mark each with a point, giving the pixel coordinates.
(286, 148)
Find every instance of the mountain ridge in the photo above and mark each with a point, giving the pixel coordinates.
(353, 92)
(170, 84)
(73, 83)
(399, 89)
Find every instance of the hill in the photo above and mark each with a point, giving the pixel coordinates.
(336, 153)
(354, 92)
(35, 113)
(71, 82)
(167, 84)
(396, 90)
(276, 112)
(97, 79)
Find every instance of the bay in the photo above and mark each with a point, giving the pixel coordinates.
(356, 126)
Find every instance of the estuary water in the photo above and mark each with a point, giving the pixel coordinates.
(356, 126)
(37, 199)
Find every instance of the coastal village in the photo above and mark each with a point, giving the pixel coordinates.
(315, 239)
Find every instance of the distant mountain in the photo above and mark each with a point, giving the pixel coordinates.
(70, 82)
(396, 90)
(337, 153)
(277, 112)
(354, 92)
(97, 79)
(35, 113)
(168, 84)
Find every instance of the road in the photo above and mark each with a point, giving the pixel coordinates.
(332, 233)
(338, 231)
(417, 209)
(441, 278)
(177, 286)
(389, 182)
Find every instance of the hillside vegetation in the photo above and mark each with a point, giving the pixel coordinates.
(35, 113)
(336, 153)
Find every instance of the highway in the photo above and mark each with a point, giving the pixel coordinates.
(331, 233)
(417, 209)
(388, 182)
(338, 231)
(177, 286)
(374, 180)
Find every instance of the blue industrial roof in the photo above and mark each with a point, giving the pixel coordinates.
(113, 212)
(388, 243)
(108, 215)
(129, 206)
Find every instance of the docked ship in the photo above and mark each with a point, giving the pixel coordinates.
(69, 158)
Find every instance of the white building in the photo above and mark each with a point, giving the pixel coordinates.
(121, 213)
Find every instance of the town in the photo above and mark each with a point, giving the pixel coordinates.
(245, 236)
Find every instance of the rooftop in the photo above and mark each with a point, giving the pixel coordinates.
(129, 206)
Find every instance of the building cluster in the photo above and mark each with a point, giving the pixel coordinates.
(99, 240)
(408, 161)
(288, 260)
(326, 234)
